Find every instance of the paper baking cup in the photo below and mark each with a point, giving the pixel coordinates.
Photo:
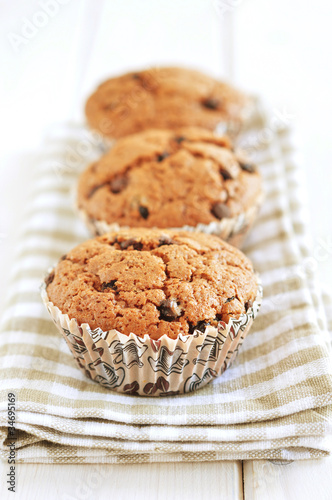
(233, 229)
(146, 367)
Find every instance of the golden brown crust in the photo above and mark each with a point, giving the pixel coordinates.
(162, 98)
(153, 281)
(160, 178)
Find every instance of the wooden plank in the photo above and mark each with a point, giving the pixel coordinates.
(203, 481)
(305, 479)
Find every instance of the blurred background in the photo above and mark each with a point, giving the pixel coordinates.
(54, 52)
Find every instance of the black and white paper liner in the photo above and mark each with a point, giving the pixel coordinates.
(146, 367)
(233, 229)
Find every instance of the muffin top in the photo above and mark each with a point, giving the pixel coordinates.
(162, 98)
(160, 178)
(155, 282)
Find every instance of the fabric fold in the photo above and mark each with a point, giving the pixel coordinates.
(274, 402)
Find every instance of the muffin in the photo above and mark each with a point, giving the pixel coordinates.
(165, 98)
(189, 178)
(153, 312)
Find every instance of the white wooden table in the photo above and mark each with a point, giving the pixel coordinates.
(249, 480)
(45, 81)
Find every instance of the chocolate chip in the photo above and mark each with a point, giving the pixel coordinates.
(225, 174)
(169, 310)
(111, 285)
(137, 245)
(63, 257)
(201, 326)
(211, 103)
(165, 240)
(136, 76)
(220, 210)
(49, 278)
(247, 167)
(163, 155)
(248, 305)
(230, 299)
(118, 183)
(179, 139)
(144, 211)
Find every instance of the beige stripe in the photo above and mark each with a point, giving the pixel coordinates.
(299, 359)
(46, 252)
(306, 422)
(278, 214)
(299, 227)
(60, 455)
(281, 340)
(272, 175)
(60, 210)
(33, 296)
(23, 274)
(32, 273)
(289, 284)
(271, 317)
(271, 212)
(51, 189)
(55, 234)
(162, 446)
(242, 383)
(264, 267)
(246, 356)
(37, 351)
(280, 237)
(28, 324)
(272, 401)
(273, 194)
(322, 385)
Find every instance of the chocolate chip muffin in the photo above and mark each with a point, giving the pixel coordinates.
(164, 98)
(157, 306)
(189, 178)
(152, 281)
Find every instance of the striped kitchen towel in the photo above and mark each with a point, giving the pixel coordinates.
(273, 402)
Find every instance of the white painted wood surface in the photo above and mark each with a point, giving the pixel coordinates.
(46, 80)
(305, 480)
(252, 480)
(136, 482)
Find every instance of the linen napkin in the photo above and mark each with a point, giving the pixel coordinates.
(274, 402)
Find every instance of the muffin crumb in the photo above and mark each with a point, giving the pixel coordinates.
(157, 179)
(164, 97)
(153, 281)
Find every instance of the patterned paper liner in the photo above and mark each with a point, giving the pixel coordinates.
(232, 229)
(146, 367)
